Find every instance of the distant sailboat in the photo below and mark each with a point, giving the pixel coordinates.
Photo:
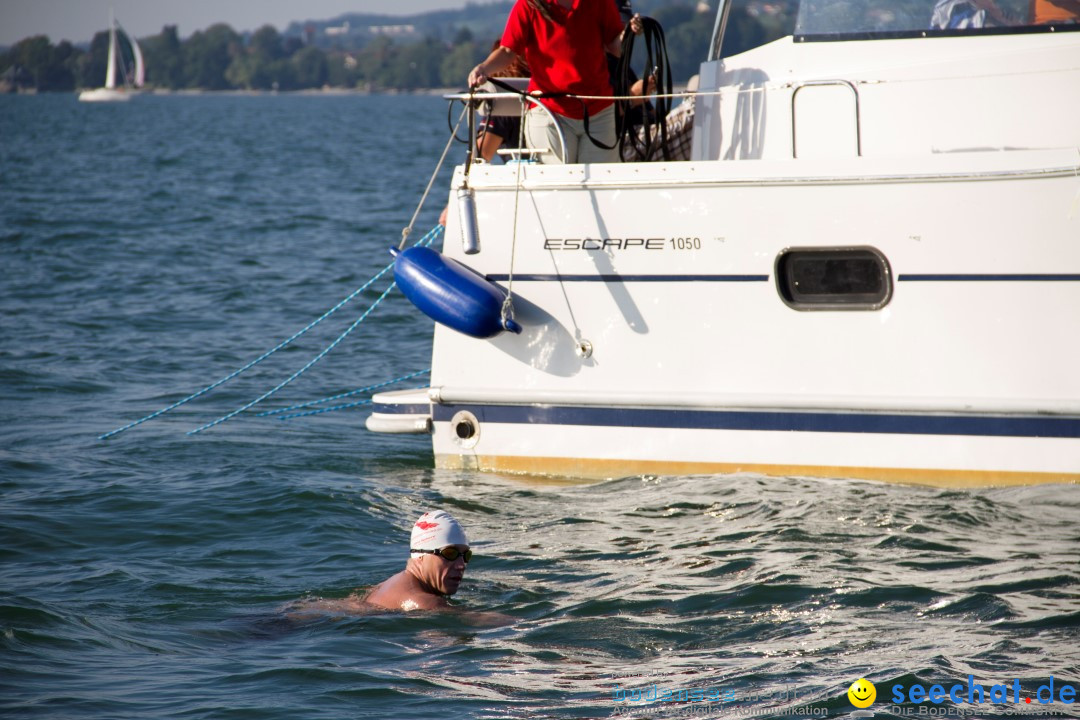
(132, 82)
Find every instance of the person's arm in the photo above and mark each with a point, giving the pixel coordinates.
(639, 90)
(499, 59)
(615, 46)
(489, 143)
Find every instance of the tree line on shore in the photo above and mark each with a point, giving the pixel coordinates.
(219, 58)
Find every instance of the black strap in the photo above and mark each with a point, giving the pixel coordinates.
(584, 108)
(539, 7)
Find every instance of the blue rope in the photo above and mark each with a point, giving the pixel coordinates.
(326, 410)
(426, 240)
(299, 372)
(351, 393)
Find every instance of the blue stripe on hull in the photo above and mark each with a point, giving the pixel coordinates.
(842, 422)
(613, 277)
(1003, 277)
(903, 277)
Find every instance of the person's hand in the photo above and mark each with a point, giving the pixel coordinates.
(643, 87)
(477, 76)
(636, 26)
(442, 216)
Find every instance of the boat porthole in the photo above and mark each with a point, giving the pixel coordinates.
(465, 429)
(833, 278)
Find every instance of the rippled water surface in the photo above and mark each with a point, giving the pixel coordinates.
(152, 248)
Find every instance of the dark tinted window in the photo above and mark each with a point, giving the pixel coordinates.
(869, 19)
(833, 278)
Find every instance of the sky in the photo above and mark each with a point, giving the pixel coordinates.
(78, 20)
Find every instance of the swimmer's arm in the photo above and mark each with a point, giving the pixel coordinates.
(357, 604)
(316, 608)
(438, 603)
(491, 619)
(425, 602)
(481, 618)
(474, 618)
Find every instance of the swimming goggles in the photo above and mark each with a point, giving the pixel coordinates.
(448, 553)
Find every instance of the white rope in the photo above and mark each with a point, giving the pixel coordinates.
(508, 305)
(643, 97)
(408, 229)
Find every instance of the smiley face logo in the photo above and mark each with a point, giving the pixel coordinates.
(862, 693)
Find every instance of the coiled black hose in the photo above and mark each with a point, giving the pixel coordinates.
(656, 64)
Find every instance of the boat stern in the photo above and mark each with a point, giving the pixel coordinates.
(401, 412)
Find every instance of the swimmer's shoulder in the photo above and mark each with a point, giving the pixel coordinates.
(313, 608)
(401, 593)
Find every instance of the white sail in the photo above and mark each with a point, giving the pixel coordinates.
(110, 72)
(140, 68)
(130, 82)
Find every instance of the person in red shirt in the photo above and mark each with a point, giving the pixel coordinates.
(564, 43)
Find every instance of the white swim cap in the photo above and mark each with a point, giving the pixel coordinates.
(436, 530)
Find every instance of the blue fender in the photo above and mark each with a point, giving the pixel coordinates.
(451, 293)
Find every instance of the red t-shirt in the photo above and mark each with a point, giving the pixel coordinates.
(568, 55)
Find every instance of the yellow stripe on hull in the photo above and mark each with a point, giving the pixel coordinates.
(602, 468)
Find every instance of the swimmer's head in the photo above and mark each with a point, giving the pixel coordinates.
(434, 531)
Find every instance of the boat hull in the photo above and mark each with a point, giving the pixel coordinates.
(620, 441)
(103, 95)
(695, 361)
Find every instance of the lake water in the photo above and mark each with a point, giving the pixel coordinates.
(149, 249)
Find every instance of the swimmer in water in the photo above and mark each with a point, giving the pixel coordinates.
(438, 554)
